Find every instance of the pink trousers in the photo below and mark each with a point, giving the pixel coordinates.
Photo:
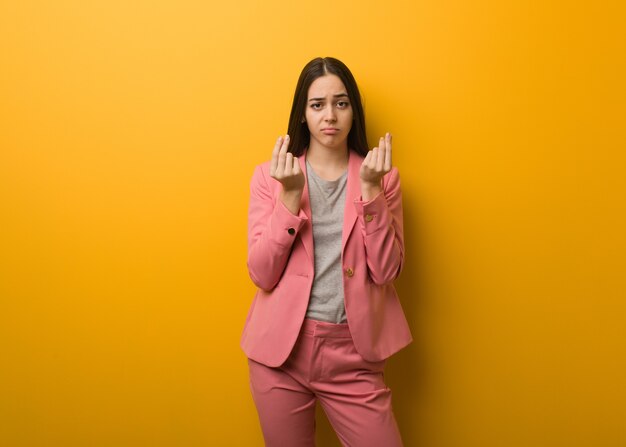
(324, 365)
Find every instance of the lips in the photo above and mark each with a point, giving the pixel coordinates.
(330, 131)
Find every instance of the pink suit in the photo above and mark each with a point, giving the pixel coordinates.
(281, 263)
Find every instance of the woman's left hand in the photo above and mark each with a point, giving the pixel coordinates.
(377, 163)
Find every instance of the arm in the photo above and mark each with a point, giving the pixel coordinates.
(272, 230)
(381, 225)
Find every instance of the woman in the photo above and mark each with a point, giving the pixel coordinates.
(324, 321)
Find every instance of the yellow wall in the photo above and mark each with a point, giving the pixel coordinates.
(128, 134)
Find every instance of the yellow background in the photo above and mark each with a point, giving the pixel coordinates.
(129, 131)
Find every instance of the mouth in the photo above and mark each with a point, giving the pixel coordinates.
(330, 131)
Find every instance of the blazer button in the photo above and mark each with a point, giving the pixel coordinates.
(291, 231)
(349, 272)
(368, 218)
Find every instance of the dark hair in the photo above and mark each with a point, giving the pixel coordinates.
(299, 132)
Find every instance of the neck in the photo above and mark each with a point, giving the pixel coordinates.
(331, 158)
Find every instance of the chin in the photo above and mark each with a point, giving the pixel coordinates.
(334, 140)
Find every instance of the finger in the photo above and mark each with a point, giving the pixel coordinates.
(288, 163)
(366, 161)
(279, 142)
(274, 160)
(372, 161)
(388, 153)
(381, 154)
(283, 148)
(296, 166)
(282, 152)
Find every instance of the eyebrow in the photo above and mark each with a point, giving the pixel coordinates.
(339, 95)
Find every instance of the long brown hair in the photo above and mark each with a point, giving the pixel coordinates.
(299, 132)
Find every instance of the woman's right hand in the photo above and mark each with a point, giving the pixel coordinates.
(285, 168)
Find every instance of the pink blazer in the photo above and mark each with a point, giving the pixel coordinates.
(281, 263)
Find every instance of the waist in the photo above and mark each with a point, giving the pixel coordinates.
(325, 329)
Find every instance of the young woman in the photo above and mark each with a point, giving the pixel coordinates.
(325, 242)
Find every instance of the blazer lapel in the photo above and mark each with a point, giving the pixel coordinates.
(353, 192)
(306, 232)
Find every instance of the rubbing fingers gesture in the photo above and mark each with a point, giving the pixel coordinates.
(377, 162)
(285, 168)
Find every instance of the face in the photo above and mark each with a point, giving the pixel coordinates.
(328, 112)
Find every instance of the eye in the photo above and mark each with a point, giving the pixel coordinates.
(343, 104)
(316, 105)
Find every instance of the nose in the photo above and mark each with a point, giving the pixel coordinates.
(330, 115)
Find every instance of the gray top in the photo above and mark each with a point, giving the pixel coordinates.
(328, 200)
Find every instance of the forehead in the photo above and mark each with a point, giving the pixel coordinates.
(327, 85)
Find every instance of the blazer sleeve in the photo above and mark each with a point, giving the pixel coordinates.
(381, 225)
(272, 230)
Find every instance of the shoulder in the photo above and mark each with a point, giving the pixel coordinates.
(265, 166)
(261, 177)
(261, 171)
(356, 156)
